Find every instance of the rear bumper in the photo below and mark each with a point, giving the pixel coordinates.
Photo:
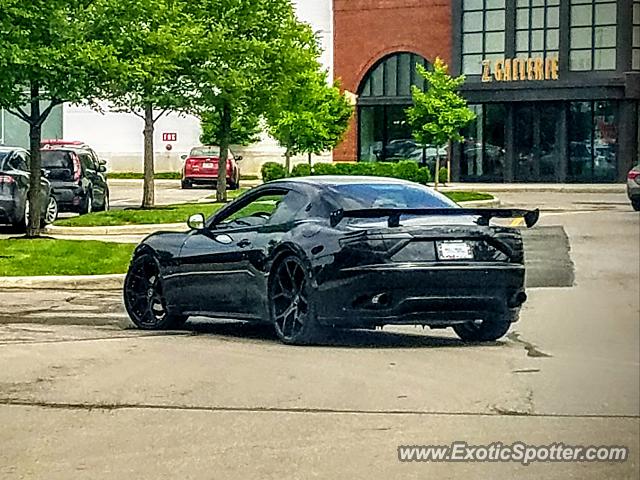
(422, 294)
(208, 179)
(9, 211)
(68, 196)
(633, 190)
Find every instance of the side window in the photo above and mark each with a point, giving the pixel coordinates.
(87, 162)
(19, 162)
(256, 213)
(288, 208)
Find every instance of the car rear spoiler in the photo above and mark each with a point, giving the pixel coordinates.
(530, 217)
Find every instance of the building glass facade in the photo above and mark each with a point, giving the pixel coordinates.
(578, 123)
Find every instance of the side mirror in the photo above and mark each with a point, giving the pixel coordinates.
(238, 158)
(183, 157)
(196, 222)
(102, 168)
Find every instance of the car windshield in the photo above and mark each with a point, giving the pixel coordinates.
(205, 152)
(54, 159)
(363, 196)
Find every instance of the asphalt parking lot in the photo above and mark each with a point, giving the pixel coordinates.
(227, 400)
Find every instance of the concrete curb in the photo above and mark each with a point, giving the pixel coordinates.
(494, 203)
(117, 229)
(68, 282)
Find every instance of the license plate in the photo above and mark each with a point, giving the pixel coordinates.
(207, 165)
(454, 251)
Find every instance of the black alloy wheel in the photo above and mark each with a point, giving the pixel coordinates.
(144, 299)
(290, 307)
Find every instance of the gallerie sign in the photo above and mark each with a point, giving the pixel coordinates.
(520, 69)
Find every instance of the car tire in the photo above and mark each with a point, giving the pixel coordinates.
(291, 306)
(105, 204)
(186, 184)
(489, 330)
(51, 212)
(636, 204)
(144, 297)
(87, 205)
(21, 225)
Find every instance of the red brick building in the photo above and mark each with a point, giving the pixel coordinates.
(368, 31)
(569, 113)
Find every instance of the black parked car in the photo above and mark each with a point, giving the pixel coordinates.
(77, 178)
(311, 253)
(14, 190)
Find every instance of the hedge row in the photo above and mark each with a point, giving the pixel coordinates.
(405, 169)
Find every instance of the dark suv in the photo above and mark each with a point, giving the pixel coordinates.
(78, 180)
(14, 190)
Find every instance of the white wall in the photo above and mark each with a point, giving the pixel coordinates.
(117, 137)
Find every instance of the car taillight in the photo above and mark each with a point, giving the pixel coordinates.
(633, 175)
(76, 168)
(6, 179)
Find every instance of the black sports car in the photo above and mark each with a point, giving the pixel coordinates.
(308, 254)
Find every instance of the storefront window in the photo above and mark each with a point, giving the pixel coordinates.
(537, 27)
(384, 132)
(636, 35)
(593, 141)
(15, 132)
(593, 35)
(483, 33)
(483, 147)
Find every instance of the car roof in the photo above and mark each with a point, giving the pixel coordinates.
(333, 180)
(4, 148)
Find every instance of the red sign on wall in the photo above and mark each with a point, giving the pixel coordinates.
(169, 137)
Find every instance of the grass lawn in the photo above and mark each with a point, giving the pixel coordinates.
(22, 257)
(179, 213)
(159, 176)
(468, 196)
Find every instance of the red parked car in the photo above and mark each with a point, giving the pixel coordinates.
(201, 167)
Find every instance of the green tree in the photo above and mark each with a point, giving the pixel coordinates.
(152, 40)
(245, 128)
(245, 50)
(49, 56)
(309, 115)
(438, 114)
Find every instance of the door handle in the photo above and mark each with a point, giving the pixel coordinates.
(244, 243)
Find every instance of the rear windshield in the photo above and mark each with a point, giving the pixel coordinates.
(205, 152)
(3, 155)
(55, 159)
(363, 196)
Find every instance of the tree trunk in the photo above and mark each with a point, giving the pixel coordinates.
(148, 194)
(287, 161)
(449, 149)
(225, 130)
(437, 169)
(310, 162)
(35, 190)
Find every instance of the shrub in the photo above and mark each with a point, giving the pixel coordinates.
(324, 169)
(382, 169)
(346, 168)
(443, 175)
(424, 175)
(272, 171)
(406, 170)
(301, 170)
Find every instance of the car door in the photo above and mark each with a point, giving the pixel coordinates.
(214, 265)
(92, 175)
